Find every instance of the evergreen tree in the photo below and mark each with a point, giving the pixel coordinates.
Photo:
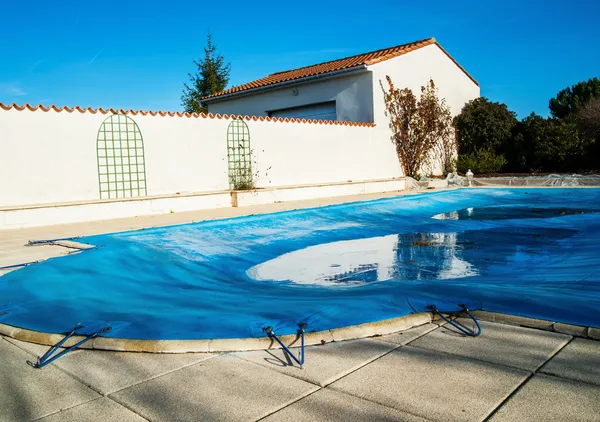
(212, 75)
(570, 101)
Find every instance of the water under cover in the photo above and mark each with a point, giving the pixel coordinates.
(531, 252)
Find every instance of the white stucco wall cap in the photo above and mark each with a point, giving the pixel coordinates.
(110, 111)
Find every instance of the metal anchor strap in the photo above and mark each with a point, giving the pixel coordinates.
(50, 357)
(460, 327)
(301, 329)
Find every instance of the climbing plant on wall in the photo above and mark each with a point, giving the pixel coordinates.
(121, 164)
(239, 156)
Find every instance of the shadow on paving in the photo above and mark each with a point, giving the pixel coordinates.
(224, 388)
(323, 364)
(578, 361)
(433, 385)
(518, 347)
(334, 406)
(27, 393)
(107, 372)
(406, 384)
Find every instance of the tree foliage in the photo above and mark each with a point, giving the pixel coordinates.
(489, 134)
(420, 126)
(549, 145)
(484, 125)
(212, 76)
(571, 100)
(481, 161)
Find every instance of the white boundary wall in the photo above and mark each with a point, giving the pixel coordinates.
(49, 157)
(33, 216)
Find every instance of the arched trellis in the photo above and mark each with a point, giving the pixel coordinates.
(121, 164)
(239, 155)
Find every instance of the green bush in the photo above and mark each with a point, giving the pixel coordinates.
(480, 162)
(483, 124)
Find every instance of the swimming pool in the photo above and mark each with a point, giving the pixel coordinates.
(525, 251)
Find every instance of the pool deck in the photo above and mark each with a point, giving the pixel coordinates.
(427, 373)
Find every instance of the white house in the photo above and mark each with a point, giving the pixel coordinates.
(350, 89)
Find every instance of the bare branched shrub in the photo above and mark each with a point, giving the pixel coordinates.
(447, 149)
(421, 128)
(588, 119)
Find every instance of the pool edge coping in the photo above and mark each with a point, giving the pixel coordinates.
(352, 332)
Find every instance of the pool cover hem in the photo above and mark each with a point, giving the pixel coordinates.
(369, 329)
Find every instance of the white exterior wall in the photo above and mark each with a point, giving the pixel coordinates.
(50, 157)
(414, 70)
(352, 93)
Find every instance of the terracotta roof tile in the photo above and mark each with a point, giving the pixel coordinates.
(365, 59)
(100, 110)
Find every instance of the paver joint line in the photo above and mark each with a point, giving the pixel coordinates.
(215, 355)
(67, 408)
(520, 386)
(339, 392)
(125, 406)
(289, 404)
(539, 368)
(508, 397)
(368, 362)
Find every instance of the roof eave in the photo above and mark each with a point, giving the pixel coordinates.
(299, 81)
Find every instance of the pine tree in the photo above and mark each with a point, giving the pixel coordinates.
(212, 75)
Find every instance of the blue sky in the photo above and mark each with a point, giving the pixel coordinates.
(137, 54)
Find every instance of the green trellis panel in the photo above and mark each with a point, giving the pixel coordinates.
(239, 155)
(121, 164)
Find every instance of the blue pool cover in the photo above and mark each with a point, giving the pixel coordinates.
(531, 252)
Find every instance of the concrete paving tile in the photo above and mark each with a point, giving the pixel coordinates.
(27, 393)
(433, 385)
(25, 254)
(107, 372)
(221, 389)
(521, 347)
(330, 405)
(546, 398)
(100, 410)
(580, 361)
(323, 364)
(404, 337)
